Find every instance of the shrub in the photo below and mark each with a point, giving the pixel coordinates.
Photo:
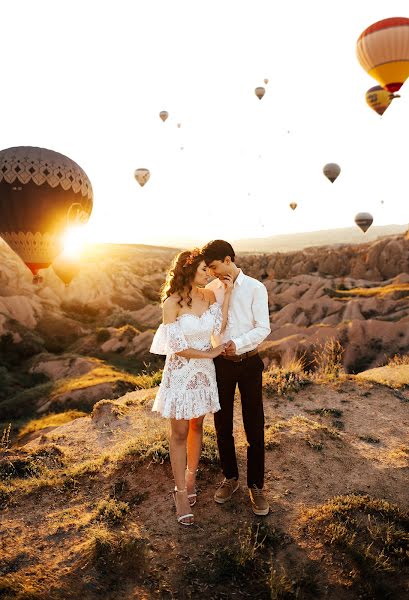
(112, 510)
(328, 359)
(285, 379)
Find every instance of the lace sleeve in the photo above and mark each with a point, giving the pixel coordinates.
(216, 311)
(168, 339)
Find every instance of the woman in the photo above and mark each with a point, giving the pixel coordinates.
(188, 390)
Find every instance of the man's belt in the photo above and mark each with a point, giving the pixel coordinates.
(240, 357)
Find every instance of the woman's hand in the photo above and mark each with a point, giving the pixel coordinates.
(216, 351)
(228, 283)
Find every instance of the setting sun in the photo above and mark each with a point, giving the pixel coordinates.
(74, 240)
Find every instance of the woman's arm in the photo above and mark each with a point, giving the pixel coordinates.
(192, 353)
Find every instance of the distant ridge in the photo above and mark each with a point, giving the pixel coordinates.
(298, 241)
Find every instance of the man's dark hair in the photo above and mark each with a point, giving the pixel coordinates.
(217, 250)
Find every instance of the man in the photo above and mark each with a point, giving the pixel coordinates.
(248, 324)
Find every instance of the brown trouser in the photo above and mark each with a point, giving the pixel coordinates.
(247, 374)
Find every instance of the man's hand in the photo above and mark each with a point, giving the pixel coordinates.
(230, 348)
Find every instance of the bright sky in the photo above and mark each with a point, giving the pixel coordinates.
(89, 78)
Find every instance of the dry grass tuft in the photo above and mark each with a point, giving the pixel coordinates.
(111, 511)
(328, 360)
(120, 554)
(298, 424)
(371, 533)
(288, 378)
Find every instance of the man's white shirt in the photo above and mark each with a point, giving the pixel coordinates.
(248, 321)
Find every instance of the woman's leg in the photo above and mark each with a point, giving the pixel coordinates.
(179, 429)
(194, 449)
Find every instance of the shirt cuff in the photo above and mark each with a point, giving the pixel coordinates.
(239, 345)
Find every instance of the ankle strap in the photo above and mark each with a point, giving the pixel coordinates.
(191, 472)
(184, 490)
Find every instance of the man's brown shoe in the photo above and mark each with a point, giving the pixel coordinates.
(226, 490)
(259, 503)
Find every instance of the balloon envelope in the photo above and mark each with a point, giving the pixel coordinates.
(259, 91)
(266, 81)
(383, 51)
(364, 220)
(331, 170)
(378, 99)
(41, 193)
(66, 268)
(142, 176)
(163, 115)
(293, 205)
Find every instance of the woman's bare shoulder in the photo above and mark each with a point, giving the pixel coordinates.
(170, 309)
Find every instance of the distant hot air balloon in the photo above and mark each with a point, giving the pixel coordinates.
(383, 51)
(41, 193)
(179, 125)
(331, 170)
(163, 115)
(266, 81)
(259, 91)
(293, 205)
(364, 220)
(379, 99)
(142, 176)
(66, 267)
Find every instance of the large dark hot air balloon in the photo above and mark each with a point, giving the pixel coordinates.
(259, 91)
(293, 205)
(364, 220)
(163, 115)
(42, 192)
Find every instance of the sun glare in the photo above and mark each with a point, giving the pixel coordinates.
(73, 241)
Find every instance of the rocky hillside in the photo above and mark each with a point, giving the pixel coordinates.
(99, 328)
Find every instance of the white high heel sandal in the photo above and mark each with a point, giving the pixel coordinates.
(181, 517)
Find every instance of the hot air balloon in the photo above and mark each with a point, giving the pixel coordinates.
(66, 268)
(266, 81)
(163, 115)
(142, 176)
(41, 193)
(379, 99)
(293, 205)
(383, 51)
(331, 170)
(259, 91)
(179, 125)
(364, 220)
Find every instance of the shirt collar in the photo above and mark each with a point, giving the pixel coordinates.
(239, 278)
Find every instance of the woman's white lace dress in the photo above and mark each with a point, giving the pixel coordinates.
(188, 388)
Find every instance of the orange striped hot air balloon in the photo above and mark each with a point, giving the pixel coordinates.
(383, 51)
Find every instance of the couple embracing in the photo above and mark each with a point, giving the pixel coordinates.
(200, 377)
